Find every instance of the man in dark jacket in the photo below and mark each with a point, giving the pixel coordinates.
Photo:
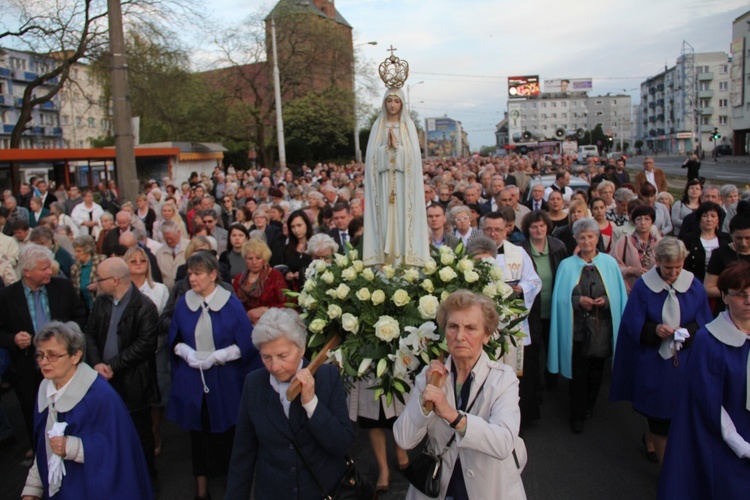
(25, 307)
(121, 337)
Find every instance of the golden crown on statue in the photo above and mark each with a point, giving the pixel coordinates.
(393, 71)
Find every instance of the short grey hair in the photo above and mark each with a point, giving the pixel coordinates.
(456, 211)
(624, 194)
(85, 243)
(319, 243)
(68, 333)
(169, 226)
(140, 234)
(257, 234)
(107, 216)
(482, 244)
(277, 323)
(33, 254)
(728, 189)
(315, 194)
(600, 187)
(670, 249)
(42, 234)
(587, 224)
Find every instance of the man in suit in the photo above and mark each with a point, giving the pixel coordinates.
(47, 197)
(436, 221)
(341, 219)
(171, 254)
(25, 307)
(74, 198)
(651, 175)
(497, 185)
(112, 240)
(15, 213)
(537, 199)
(38, 212)
(121, 336)
(219, 233)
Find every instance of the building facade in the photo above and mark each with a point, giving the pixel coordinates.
(739, 100)
(683, 105)
(17, 69)
(85, 112)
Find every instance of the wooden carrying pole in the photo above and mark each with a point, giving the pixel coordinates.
(295, 388)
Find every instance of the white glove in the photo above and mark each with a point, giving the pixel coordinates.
(221, 357)
(187, 353)
(680, 336)
(55, 464)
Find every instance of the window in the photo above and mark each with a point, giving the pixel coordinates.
(79, 121)
(533, 105)
(705, 120)
(105, 124)
(723, 120)
(563, 104)
(64, 119)
(703, 103)
(598, 101)
(544, 127)
(80, 144)
(724, 68)
(523, 106)
(554, 115)
(3, 117)
(723, 85)
(723, 103)
(701, 69)
(544, 116)
(564, 115)
(599, 113)
(703, 86)
(553, 104)
(92, 122)
(2, 87)
(544, 104)
(18, 63)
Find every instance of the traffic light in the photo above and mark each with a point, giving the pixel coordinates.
(716, 135)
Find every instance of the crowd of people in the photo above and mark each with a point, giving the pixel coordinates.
(115, 314)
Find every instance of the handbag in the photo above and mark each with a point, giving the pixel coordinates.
(424, 472)
(353, 485)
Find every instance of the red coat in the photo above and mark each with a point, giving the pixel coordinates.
(271, 295)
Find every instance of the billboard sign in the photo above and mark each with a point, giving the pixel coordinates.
(737, 71)
(568, 85)
(523, 86)
(442, 137)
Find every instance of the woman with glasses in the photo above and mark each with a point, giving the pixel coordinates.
(708, 454)
(84, 269)
(95, 440)
(228, 211)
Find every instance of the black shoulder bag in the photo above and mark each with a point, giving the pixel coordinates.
(353, 486)
(424, 472)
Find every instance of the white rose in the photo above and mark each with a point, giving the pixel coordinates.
(386, 329)
(310, 302)
(317, 325)
(388, 271)
(309, 285)
(353, 254)
(349, 274)
(430, 266)
(446, 258)
(378, 297)
(471, 276)
(332, 293)
(320, 265)
(465, 265)
(428, 306)
(334, 311)
(401, 297)
(503, 289)
(342, 291)
(358, 265)
(447, 274)
(445, 249)
(350, 323)
(490, 291)
(327, 277)
(496, 272)
(340, 259)
(427, 286)
(411, 275)
(368, 274)
(363, 294)
(444, 295)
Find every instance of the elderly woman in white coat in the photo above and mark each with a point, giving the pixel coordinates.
(475, 416)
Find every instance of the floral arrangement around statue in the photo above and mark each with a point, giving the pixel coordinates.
(384, 318)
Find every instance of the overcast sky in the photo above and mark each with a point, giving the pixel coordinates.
(464, 50)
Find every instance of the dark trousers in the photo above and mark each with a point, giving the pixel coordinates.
(586, 381)
(530, 385)
(142, 422)
(26, 386)
(211, 451)
(550, 379)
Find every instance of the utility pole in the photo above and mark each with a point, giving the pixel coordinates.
(127, 178)
(277, 96)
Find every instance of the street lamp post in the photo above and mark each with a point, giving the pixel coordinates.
(357, 151)
(277, 95)
(408, 95)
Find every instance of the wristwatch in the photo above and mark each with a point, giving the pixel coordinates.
(455, 423)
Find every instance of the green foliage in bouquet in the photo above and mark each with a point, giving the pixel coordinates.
(386, 316)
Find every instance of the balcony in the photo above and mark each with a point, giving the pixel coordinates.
(4, 73)
(7, 128)
(709, 110)
(707, 128)
(705, 77)
(19, 102)
(705, 94)
(49, 105)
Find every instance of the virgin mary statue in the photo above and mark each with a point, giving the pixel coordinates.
(395, 215)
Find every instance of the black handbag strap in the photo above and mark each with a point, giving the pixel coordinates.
(326, 496)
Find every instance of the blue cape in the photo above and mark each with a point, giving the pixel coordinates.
(639, 373)
(114, 466)
(230, 326)
(698, 463)
(560, 351)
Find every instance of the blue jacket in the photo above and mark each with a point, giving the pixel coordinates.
(263, 439)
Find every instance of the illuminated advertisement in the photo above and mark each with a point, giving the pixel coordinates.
(523, 86)
(442, 137)
(568, 85)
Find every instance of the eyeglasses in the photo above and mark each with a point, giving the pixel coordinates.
(744, 295)
(137, 261)
(492, 230)
(50, 356)
(99, 280)
(462, 219)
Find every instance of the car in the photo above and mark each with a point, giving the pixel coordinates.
(724, 150)
(576, 183)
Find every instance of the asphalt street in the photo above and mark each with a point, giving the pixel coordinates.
(728, 169)
(607, 461)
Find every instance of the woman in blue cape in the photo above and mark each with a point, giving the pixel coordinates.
(587, 304)
(708, 454)
(652, 350)
(86, 443)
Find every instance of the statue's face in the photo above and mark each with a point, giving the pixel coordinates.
(393, 105)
